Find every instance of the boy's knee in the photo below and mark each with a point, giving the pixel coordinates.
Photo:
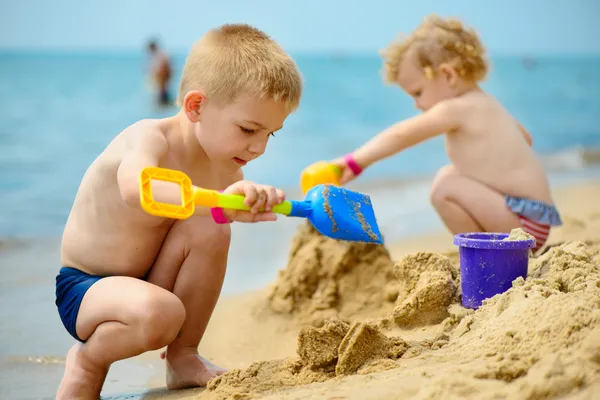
(204, 234)
(161, 319)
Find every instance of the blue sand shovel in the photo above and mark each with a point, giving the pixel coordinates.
(335, 212)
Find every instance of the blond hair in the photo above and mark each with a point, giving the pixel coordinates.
(437, 41)
(237, 58)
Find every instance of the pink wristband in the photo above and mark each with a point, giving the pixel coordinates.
(218, 214)
(351, 163)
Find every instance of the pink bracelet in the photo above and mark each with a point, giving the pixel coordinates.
(218, 214)
(351, 163)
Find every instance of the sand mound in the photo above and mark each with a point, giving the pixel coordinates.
(345, 349)
(519, 234)
(363, 344)
(326, 278)
(540, 339)
(336, 349)
(428, 286)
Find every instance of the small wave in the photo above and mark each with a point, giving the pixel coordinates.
(574, 158)
(11, 243)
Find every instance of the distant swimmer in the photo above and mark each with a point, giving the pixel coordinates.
(528, 62)
(160, 72)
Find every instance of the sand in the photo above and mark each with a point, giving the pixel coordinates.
(323, 275)
(540, 339)
(519, 234)
(358, 321)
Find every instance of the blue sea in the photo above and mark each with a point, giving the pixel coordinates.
(59, 111)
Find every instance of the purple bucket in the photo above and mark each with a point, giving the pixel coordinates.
(489, 264)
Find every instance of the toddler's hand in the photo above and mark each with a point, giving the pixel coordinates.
(349, 172)
(258, 197)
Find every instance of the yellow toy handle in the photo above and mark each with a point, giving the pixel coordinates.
(190, 196)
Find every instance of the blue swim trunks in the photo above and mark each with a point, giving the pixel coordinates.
(71, 286)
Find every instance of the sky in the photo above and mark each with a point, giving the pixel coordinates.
(506, 27)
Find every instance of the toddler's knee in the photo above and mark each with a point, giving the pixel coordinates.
(160, 320)
(446, 171)
(442, 184)
(437, 195)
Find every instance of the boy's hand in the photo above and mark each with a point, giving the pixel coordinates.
(257, 197)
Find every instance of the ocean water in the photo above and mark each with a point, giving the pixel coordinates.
(58, 112)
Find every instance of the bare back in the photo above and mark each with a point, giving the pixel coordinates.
(106, 236)
(491, 148)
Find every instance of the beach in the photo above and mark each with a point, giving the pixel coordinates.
(302, 316)
(538, 340)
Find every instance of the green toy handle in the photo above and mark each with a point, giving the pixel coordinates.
(236, 202)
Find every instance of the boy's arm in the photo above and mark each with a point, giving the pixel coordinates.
(526, 134)
(441, 118)
(146, 151)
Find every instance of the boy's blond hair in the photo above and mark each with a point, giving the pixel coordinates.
(237, 58)
(437, 41)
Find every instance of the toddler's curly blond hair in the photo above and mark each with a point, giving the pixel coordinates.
(434, 42)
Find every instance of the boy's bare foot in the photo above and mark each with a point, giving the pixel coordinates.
(188, 369)
(82, 379)
(215, 369)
